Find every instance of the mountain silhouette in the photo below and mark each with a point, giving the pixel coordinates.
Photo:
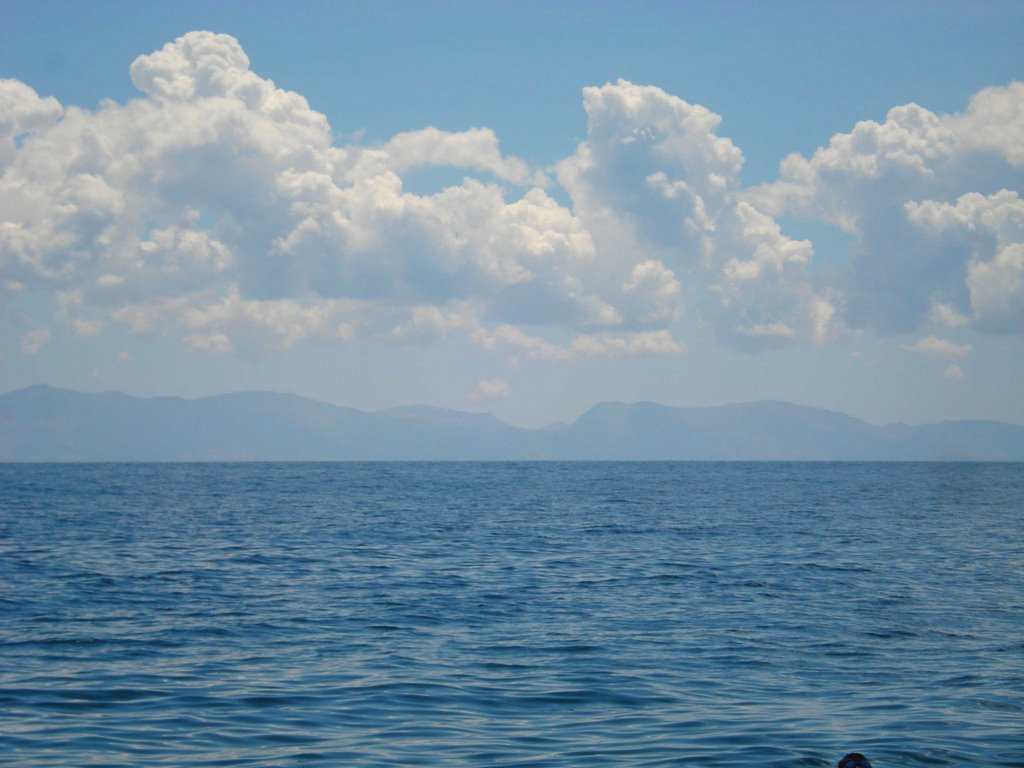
(42, 423)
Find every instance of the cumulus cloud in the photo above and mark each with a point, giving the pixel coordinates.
(988, 234)
(35, 340)
(22, 112)
(652, 169)
(953, 372)
(211, 344)
(997, 289)
(938, 348)
(476, 149)
(217, 207)
(946, 315)
(930, 200)
(654, 178)
(654, 289)
(582, 347)
(489, 389)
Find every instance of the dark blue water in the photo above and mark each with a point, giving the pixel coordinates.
(577, 614)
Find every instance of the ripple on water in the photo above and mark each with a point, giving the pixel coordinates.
(511, 614)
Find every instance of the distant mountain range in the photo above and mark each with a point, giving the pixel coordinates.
(42, 423)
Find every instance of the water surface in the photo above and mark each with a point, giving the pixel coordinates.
(535, 614)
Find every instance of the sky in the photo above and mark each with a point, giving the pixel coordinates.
(522, 208)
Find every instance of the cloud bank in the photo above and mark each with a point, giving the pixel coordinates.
(217, 207)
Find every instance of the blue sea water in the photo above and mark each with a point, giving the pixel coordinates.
(534, 614)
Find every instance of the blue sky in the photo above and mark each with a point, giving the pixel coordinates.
(377, 204)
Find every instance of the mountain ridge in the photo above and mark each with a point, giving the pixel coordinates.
(45, 423)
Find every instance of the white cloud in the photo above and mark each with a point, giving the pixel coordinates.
(489, 389)
(653, 178)
(932, 346)
(953, 372)
(997, 289)
(428, 322)
(22, 113)
(928, 244)
(764, 291)
(476, 148)
(218, 202)
(988, 232)
(652, 172)
(778, 330)
(217, 207)
(946, 315)
(656, 292)
(35, 340)
(994, 123)
(254, 324)
(582, 347)
(212, 344)
(87, 328)
(217, 181)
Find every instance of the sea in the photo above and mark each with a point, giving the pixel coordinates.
(511, 614)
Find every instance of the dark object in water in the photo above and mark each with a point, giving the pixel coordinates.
(855, 760)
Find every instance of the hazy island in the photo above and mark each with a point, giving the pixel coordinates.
(42, 423)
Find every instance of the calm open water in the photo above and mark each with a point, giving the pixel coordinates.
(540, 614)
